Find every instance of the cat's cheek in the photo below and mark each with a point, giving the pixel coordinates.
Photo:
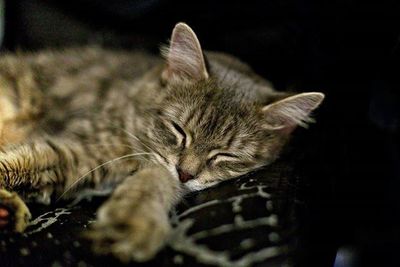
(172, 169)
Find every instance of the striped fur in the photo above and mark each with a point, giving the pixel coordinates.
(87, 117)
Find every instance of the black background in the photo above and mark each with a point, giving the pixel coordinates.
(347, 49)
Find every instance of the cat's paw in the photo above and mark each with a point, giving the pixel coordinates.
(14, 214)
(134, 236)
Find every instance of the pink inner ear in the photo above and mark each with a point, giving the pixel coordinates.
(280, 118)
(285, 115)
(287, 130)
(280, 124)
(184, 56)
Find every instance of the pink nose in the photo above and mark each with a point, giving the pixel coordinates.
(184, 176)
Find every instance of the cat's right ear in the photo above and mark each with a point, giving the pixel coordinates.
(184, 57)
(286, 114)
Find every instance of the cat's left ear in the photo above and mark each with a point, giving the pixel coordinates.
(185, 59)
(286, 114)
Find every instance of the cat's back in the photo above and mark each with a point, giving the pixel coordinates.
(47, 67)
(55, 85)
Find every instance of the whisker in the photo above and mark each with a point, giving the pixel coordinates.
(136, 138)
(136, 149)
(96, 168)
(112, 145)
(129, 134)
(117, 145)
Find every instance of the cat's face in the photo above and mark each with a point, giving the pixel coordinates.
(206, 134)
(206, 131)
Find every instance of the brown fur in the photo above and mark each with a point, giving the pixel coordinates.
(86, 117)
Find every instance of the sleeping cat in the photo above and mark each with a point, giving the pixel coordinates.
(90, 117)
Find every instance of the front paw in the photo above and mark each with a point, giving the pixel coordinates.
(14, 214)
(129, 235)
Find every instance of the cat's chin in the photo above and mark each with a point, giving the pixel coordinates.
(196, 185)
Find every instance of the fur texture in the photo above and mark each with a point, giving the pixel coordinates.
(87, 117)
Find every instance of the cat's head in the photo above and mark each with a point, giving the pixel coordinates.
(218, 119)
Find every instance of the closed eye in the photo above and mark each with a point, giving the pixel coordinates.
(223, 156)
(180, 133)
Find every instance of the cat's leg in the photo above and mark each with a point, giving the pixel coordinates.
(44, 168)
(133, 224)
(26, 169)
(37, 168)
(21, 106)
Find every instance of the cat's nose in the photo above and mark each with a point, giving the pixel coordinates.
(184, 176)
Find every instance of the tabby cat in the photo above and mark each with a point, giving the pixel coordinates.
(91, 117)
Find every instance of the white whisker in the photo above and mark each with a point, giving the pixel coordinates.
(136, 138)
(96, 168)
(130, 135)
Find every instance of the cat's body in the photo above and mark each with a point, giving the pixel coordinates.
(87, 117)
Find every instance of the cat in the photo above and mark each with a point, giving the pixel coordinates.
(153, 127)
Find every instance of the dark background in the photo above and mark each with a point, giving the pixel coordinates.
(347, 49)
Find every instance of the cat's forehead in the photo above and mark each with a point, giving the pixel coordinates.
(211, 94)
(211, 111)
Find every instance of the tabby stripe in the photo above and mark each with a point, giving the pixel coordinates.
(56, 149)
(203, 111)
(6, 173)
(58, 176)
(231, 138)
(189, 118)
